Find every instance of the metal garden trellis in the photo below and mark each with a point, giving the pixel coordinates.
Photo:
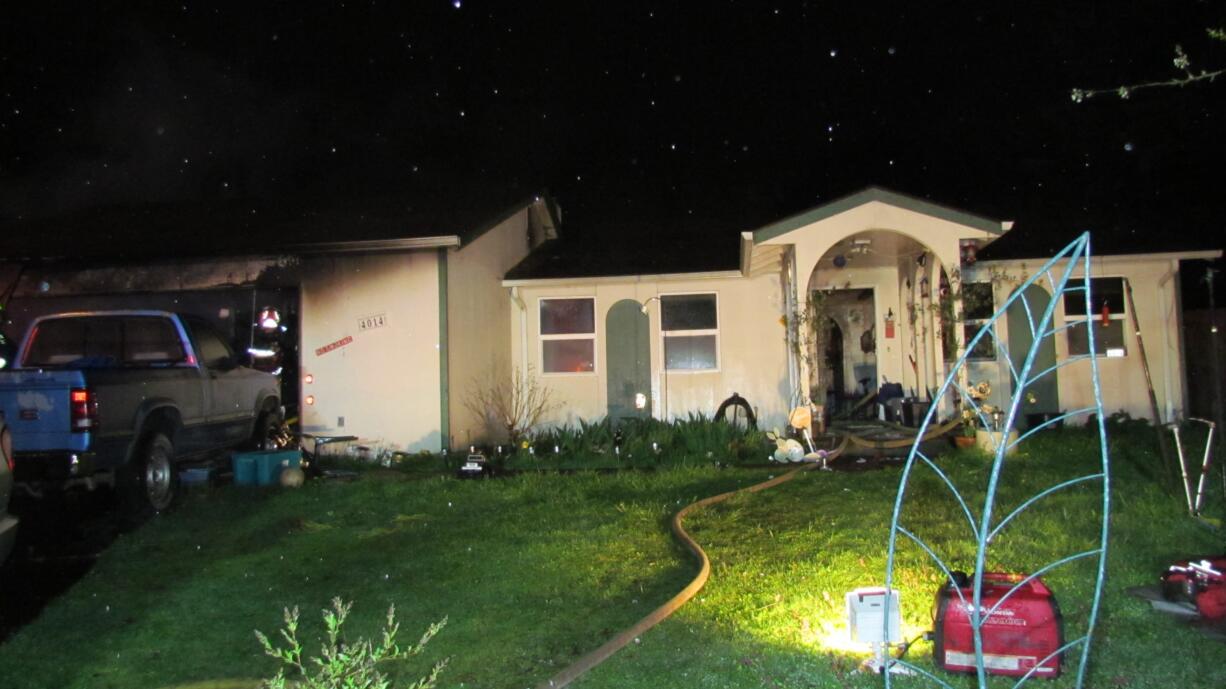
(1056, 275)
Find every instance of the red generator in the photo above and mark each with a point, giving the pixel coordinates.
(1022, 632)
(1200, 581)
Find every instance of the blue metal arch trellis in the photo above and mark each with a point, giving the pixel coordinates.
(1057, 274)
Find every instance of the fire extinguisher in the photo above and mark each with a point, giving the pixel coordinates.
(889, 325)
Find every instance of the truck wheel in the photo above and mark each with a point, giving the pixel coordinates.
(266, 428)
(151, 483)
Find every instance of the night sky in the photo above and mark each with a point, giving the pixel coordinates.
(675, 119)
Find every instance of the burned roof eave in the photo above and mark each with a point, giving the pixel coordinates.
(374, 245)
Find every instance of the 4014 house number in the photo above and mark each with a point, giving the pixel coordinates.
(371, 322)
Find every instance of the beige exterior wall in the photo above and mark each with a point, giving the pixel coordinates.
(381, 379)
(479, 319)
(1155, 282)
(752, 346)
(814, 243)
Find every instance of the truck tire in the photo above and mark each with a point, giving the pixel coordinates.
(266, 427)
(151, 483)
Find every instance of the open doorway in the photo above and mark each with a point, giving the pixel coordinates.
(847, 369)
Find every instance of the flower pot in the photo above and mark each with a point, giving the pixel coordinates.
(989, 440)
(964, 441)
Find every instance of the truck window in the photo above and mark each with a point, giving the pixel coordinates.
(210, 347)
(104, 341)
(151, 341)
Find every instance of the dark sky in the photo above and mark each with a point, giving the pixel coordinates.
(667, 117)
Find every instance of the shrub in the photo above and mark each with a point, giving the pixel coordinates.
(342, 665)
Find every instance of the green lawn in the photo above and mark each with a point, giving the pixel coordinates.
(537, 569)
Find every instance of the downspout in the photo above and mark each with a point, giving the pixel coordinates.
(1166, 342)
(518, 300)
(443, 361)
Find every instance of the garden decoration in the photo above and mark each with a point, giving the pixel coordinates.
(983, 594)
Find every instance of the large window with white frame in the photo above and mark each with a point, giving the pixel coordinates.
(690, 326)
(1107, 316)
(568, 335)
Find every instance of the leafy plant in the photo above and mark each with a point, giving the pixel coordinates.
(342, 665)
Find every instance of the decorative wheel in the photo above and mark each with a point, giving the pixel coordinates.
(736, 411)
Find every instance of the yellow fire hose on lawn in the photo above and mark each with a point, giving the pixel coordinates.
(598, 656)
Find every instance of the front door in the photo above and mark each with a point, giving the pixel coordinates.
(628, 353)
(1044, 391)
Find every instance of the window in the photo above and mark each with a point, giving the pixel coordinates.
(690, 324)
(105, 341)
(568, 335)
(210, 347)
(977, 310)
(1106, 317)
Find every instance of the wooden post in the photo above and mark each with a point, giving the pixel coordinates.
(1149, 381)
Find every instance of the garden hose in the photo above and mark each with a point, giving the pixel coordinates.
(601, 654)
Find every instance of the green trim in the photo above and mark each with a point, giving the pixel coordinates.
(869, 195)
(443, 361)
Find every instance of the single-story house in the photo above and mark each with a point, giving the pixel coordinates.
(399, 313)
(897, 287)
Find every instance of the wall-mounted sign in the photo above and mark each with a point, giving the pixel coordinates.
(320, 351)
(371, 322)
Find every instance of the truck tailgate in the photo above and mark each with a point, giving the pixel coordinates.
(36, 406)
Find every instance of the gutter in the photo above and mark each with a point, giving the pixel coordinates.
(1204, 254)
(547, 282)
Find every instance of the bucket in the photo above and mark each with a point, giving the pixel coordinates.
(268, 465)
(263, 468)
(244, 468)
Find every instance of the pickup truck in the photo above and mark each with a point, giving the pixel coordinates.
(124, 397)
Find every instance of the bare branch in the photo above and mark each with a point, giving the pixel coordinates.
(1181, 62)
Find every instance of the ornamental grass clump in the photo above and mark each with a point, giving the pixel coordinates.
(343, 665)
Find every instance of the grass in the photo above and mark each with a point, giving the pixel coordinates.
(537, 569)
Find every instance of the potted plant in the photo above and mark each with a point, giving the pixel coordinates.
(967, 432)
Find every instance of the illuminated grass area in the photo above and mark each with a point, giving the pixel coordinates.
(537, 569)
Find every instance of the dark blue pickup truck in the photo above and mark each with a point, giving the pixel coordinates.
(123, 397)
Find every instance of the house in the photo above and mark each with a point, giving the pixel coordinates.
(896, 289)
(391, 312)
(396, 313)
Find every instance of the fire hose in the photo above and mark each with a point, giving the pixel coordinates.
(601, 654)
(934, 432)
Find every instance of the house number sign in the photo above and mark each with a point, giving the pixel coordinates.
(371, 322)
